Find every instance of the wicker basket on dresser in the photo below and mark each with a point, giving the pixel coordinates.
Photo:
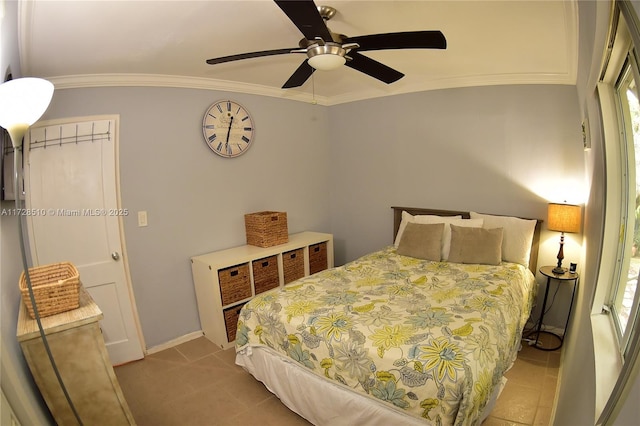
(225, 280)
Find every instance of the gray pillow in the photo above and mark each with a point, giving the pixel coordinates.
(421, 241)
(476, 245)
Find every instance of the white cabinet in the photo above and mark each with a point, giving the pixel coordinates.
(225, 280)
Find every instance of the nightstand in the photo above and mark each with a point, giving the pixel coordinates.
(567, 277)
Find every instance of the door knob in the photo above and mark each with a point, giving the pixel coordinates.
(115, 255)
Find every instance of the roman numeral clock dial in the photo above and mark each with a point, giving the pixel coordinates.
(228, 128)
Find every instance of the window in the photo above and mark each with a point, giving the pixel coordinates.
(623, 299)
(619, 259)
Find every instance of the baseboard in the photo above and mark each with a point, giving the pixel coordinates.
(555, 330)
(175, 342)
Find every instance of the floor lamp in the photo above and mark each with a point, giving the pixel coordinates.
(22, 103)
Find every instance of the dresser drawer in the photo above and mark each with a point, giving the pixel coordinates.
(234, 283)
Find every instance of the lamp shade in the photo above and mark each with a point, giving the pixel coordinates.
(327, 62)
(22, 103)
(564, 217)
(326, 57)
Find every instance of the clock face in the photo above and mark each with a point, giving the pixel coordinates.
(228, 128)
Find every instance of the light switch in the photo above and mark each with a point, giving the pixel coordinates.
(142, 218)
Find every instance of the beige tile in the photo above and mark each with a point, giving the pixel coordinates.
(543, 416)
(494, 421)
(208, 406)
(197, 383)
(228, 355)
(531, 353)
(554, 361)
(214, 362)
(517, 403)
(246, 385)
(528, 373)
(548, 392)
(143, 369)
(197, 348)
(169, 355)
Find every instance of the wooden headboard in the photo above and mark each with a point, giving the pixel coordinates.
(397, 218)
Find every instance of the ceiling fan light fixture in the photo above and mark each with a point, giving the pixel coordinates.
(327, 57)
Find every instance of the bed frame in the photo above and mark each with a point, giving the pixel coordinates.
(397, 218)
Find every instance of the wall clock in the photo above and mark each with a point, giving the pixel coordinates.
(228, 128)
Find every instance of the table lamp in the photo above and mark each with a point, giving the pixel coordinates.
(563, 218)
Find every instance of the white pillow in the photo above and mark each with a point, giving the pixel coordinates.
(446, 235)
(517, 235)
(406, 218)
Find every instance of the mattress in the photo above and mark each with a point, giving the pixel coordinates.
(423, 340)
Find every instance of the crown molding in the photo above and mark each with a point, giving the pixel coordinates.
(176, 81)
(184, 82)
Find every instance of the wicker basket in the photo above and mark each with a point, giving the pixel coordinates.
(293, 265)
(265, 274)
(56, 288)
(266, 229)
(235, 283)
(317, 258)
(231, 316)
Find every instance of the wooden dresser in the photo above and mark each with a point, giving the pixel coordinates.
(80, 354)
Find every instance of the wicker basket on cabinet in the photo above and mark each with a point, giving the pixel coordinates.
(266, 229)
(56, 288)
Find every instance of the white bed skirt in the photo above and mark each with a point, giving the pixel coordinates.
(299, 389)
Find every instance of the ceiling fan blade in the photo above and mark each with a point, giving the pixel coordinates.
(403, 40)
(373, 68)
(249, 55)
(299, 76)
(305, 16)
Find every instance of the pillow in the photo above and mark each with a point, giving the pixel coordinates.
(476, 245)
(406, 218)
(421, 241)
(516, 238)
(446, 236)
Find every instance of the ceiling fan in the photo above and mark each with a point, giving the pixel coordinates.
(326, 50)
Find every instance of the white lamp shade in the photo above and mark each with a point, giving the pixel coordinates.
(23, 101)
(327, 61)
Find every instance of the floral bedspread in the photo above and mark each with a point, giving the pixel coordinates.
(430, 338)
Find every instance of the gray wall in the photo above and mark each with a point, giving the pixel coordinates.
(195, 199)
(335, 169)
(489, 149)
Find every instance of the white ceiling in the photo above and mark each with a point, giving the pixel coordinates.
(166, 43)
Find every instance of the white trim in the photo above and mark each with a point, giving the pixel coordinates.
(613, 161)
(176, 81)
(608, 362)
(175, 342)
(185, 82)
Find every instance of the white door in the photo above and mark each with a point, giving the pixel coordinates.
(71, 181)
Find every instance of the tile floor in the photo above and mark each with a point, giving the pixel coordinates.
(198, 384)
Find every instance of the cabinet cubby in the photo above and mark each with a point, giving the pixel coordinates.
(227, 279)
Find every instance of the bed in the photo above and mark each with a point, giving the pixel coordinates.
(419, 332)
